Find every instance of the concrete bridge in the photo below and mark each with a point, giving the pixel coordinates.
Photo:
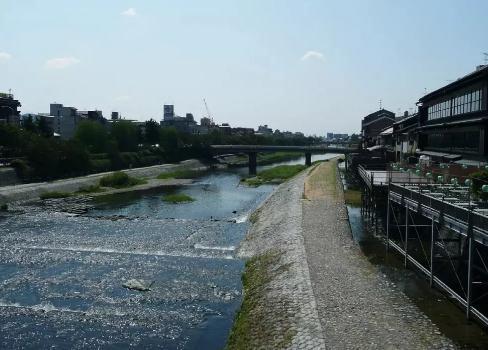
(253, 150)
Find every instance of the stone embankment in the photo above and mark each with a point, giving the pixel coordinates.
(307, 284)
(33, 190)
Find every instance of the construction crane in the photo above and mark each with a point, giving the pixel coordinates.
(208, 111)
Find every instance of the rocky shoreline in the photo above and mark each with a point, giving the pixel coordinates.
(308, 286)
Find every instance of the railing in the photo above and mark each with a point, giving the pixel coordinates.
(442, 206)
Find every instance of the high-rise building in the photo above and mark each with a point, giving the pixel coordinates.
(66, 120)
(169, 112)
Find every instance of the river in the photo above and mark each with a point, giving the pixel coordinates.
(62, 276)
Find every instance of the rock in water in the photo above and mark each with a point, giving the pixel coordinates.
(139, 285)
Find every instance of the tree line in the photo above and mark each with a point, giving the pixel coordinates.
(98, 147)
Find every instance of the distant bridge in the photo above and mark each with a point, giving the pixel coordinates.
(253, 150)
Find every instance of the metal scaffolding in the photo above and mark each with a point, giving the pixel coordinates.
(442, 232)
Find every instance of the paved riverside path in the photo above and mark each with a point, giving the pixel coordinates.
(326, 294)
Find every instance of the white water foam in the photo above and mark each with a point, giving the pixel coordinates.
(224, 249)
(242, 218)
(132, 252)
(48, 307)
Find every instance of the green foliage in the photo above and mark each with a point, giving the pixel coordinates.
(480, 178)
(100, 165)
(177, 198)
(29, 125)
(352, 197)
(4, 207)
(180, 174)
(90, 189)
(55, 194)
(125, 134)
(276, 174)
(269, 158)
(169, 143)
(23, 170)
(151, 135)
(249, 330)
(120, 179)
(73, 158)
(92, 135)
(94, 149)
(43, 127)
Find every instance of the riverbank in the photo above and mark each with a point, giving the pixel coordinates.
(242, 160)
(34, 190)
(307, 284)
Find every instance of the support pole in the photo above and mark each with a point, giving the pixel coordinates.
(308, 159)
(470, 265)
(470, 272)
(406, 236)
(253, 163)
(432, 252)
(388, 221)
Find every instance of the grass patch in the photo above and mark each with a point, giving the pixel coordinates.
(90, 189)
(252, 328)
(120, 179)
(269, 158)
(254, 217)
(180, 174)
(263, 158)
(352, 197)
(55, 194)
(276, 174)
(177, 198)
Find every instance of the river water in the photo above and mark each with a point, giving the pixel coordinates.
(62, 276)
(447, 316)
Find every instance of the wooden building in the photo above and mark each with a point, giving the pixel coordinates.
(453, 120)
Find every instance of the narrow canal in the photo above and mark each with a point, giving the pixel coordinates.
(448, 317)
(62, 276)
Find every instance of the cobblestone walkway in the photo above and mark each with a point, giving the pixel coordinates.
(321, 292)
(358, 308)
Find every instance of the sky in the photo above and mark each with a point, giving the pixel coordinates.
(314, 66)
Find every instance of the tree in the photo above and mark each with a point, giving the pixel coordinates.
(92, 135)
(169, 142)
(152, 132)
(73, 158)
(44, 128)
(125, 134)
(30, 126)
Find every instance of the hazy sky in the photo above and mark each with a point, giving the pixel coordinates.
(311, 66)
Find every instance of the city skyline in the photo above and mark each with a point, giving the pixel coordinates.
(294, 66)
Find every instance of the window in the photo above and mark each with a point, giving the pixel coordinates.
(467, 103)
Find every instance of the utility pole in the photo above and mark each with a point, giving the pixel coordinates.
(381, 105)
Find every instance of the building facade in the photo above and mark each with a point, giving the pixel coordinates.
(405, 137)
(65, 120)
(453, 120)
(9, 112)
(185, 124)
(373, 124)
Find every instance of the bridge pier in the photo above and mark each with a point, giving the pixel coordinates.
(308, 159)
(253, 163)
